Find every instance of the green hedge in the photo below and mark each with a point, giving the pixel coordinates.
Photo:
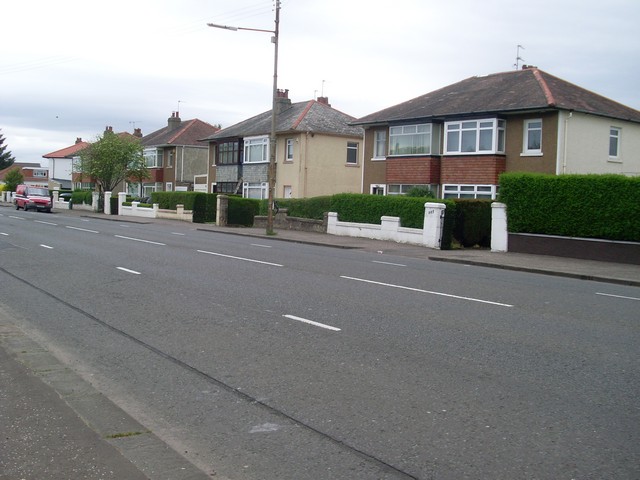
(242, 210)
(78, 197)
(473, 222)
(590, 206)
(365, 208)
(169, 200)
(301, 207)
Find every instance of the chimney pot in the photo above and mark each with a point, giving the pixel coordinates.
(78, 140)
(324, 101)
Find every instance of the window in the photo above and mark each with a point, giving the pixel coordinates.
(170, 157)
(475, 136)
(153, 157)
(378, 189)
(255, 190)
(532, 144)
(352, 153)
(289, 151)
(225, 187)
(228, 153)
(39, 173)
(147, 188)
(470, 191)
(380, 146)
(410, 140)
(256, 150)
(169, 187)
(614, 142)
(403, 189)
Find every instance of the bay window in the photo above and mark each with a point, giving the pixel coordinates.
(153, 157)
(475, 136)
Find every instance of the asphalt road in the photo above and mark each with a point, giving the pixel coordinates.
(265, 359)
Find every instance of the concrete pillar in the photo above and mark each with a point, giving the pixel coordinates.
(433, 222)
(107, 203)
(95, 197)
(332, 223)
(499, 232)
(122, 197)
(222, 210)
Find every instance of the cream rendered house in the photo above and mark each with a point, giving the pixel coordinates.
(318, 152)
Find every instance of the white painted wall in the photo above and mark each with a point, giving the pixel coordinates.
(583, 145)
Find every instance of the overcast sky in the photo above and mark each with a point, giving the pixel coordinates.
(68, 68)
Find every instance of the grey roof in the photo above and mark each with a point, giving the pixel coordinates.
(311, 116)
(527, 89)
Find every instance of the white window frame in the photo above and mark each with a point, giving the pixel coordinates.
(149, 187)
(615, 133)
(378, 187)
(476, 126)
(529, 126)
(249, 187)
(40, 173)
(380, 145)
(469, 191)
(153, 157)
(260, 144)
(351, 147)
(414, 133)
(169, 187)
(289, 150)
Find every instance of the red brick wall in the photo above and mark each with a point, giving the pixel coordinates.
(157, 175)
(413, 170)
(472, 169)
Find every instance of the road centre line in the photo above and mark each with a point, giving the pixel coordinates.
(13, 216)
(240, 258)
(139, 240)
(176, 233)
(261, 246)
(46, 246)
(5, 234)
(389, 263)
(617, 296)
(81, 229)
(427, 291)
(128, 271)
(311, 322)
(46, 223)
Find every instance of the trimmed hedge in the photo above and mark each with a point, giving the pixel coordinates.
(473, 222)
(78, 197)
(589, 206)
(301, 207)
(366, 208)
(242, 210)
(169, 200)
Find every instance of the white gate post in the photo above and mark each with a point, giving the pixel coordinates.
(95, 196)
(433, 222)
(122, 197)
(107, 203)
(499, 232)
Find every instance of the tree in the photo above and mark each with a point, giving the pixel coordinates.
(109, 160)
(6, 159)
(12, 179)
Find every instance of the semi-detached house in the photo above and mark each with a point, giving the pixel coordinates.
(458, 140)
(318, 152)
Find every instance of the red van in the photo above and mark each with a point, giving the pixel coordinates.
(29, 197)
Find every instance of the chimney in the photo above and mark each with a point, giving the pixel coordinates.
(528, 67)
(324, 101)
(174, 121)
(108, 129)
(282, 100)
(137, 132)
(78, 140)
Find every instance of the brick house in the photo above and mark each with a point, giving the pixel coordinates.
(33, 174)
(457, 140)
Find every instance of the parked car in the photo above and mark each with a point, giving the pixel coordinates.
(29, 197)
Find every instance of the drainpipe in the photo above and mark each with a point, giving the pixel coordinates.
(182, 166)
(566, 141)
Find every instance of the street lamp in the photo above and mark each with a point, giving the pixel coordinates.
(271, 172)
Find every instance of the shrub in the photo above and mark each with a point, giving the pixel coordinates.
(199, 207)
(169, 200)
(78, 197)
(473, 222)
(590, 206)
(242, 210)
(422, 192)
